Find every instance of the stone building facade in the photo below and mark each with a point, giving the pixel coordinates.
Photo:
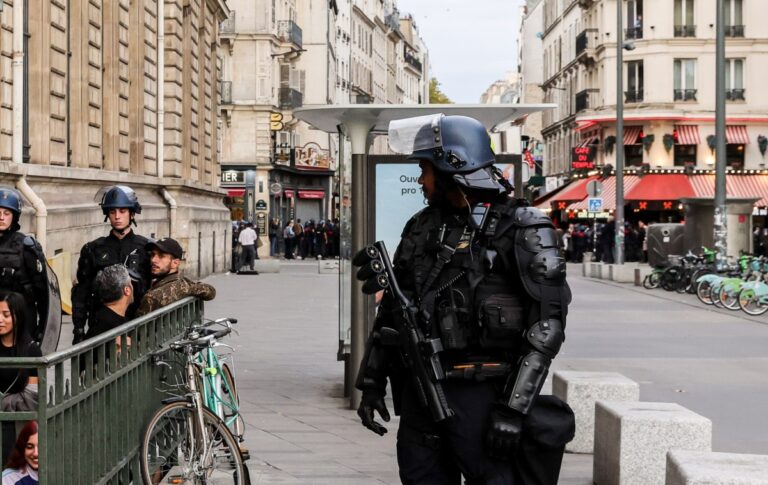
(118, 92)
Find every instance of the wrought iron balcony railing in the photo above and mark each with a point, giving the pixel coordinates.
(289, 31)
(412, 60)
(634, 33)
(735, 95)
(685, 31)
(586, 99)
(290, 98)
(635, 96)
(685, 94)
(734, 31)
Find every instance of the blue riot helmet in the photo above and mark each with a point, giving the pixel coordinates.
(10, 199)
(118, 197)
(456, 145)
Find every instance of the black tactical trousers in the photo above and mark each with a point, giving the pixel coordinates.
(441, 453)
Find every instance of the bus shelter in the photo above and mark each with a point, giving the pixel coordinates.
(358, 124)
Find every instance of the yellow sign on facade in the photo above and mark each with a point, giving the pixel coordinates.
(276, 125)
(275, 117)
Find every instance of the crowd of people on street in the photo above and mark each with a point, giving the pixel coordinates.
(579, 238)
(119, 277)
(310, 239)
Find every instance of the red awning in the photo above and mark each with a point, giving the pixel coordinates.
(235, 192)
(609, 193)
(661, 187)
(736, 135)
(748, 185)
(587, 141)
(632, 135)
(576, 191)
(289, 193)
(687, 135)
(311, 194)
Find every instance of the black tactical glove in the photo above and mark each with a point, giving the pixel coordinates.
(373, 400)
(79, 335)
(504, 432)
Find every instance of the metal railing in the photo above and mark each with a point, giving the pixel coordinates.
(226, 92)
(633, 33)
(735, 95)
(685, 94)
(635, 96)
(289, 31)
(228, 25)
(412, 60)
(685, 31)
(734, 31)
(94, 400)
(290, 98)
(587, 99)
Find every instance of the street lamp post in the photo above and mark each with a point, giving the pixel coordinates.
(720, 226)
(619, 215)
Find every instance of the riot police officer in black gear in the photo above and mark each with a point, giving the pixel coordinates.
(122, 246)
(22, 263)
(488, 279)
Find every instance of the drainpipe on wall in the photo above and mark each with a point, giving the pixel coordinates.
(160, 89)
(41, 213)
(172, 208)
(19, 104)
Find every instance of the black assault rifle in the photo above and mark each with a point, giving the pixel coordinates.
(420, 353)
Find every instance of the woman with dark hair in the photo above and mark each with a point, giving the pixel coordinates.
(18, 386)
(21, 468)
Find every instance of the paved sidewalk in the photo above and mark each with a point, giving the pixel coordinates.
(299, 429)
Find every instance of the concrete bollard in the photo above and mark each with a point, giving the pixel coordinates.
(624, 273)
(706, 468)
(581, 390)
(640, 273)
(596, 270)
(632, 440)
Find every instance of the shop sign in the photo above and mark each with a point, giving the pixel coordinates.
(275, 188)
(232, 177)
(261, 205)
(583, 158)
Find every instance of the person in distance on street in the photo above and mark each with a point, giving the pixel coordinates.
(486, 273)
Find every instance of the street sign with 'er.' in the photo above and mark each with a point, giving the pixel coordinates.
(595, 204)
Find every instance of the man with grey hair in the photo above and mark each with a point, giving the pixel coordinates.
(114, 289)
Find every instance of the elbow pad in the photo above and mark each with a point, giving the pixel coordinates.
(546, 336)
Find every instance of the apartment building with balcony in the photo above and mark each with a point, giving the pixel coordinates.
(531, 71)
(669, 82)
(669, 89)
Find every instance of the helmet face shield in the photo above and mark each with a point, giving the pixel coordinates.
(413, 134)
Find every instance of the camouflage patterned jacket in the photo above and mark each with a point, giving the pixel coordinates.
(171, 288)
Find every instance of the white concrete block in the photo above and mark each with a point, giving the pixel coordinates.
(632, 440)
(581, 390)
(328, 266)
(707, 468)
(596, 270)
(624, 273)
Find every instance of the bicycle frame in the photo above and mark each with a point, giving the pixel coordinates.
(211, 366)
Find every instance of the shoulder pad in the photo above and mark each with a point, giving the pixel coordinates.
(29, 241)
(531, 216)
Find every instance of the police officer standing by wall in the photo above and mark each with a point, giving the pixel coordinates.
(122, 246)
(22, 263)
(486, 274)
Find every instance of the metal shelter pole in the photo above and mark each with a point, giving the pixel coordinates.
(619, 215)
(358, 131)
(721, 222)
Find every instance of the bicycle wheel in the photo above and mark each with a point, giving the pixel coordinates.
(232, 409)
(695, 277)
(704, 292)
(172, 449)
(749, 302)
(670, 278)
(715, 295)
(728, 297)
(651, 280)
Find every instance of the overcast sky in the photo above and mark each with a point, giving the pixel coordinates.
(471, 43)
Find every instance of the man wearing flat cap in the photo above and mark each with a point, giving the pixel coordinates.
(168, 285)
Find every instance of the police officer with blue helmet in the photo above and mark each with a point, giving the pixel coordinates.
(486, 274)
(22, 263)
(122, 245)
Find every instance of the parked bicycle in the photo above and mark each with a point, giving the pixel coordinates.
(188, 440)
